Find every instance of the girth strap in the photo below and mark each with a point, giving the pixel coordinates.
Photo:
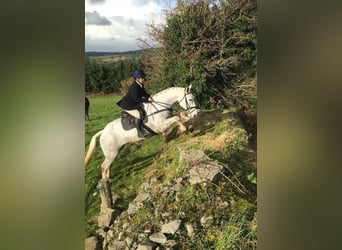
(148, 129)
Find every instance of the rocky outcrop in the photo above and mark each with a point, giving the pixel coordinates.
(135, 205)
(92, 243)
(119, 230)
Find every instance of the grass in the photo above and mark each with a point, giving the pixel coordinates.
(221, 137)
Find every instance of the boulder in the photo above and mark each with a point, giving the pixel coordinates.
(92, 243)
(172, 227)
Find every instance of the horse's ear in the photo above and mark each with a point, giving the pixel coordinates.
(188, 89)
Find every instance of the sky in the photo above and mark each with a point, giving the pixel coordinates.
(114, 25)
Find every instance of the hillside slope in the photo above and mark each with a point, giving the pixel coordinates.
(156, 182)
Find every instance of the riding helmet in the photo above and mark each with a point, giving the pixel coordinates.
(138, 73)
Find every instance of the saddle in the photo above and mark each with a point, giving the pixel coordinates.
(128, 121)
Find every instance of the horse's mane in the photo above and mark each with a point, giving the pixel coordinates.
(166, 90)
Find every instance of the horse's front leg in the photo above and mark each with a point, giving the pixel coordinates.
(184, 116)
(168, 122)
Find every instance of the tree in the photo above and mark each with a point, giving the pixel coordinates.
(107, 77)
(211, 44)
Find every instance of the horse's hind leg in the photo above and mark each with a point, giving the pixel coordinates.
(105, 166)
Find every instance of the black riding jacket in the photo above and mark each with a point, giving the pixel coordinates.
(134, 98)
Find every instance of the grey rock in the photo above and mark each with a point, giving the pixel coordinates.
(179, 180)
(166, 215)
(129, 241)
(206, 221)
(145, 186)
(92, 243)
(137, 203)
(146, 245)
(204, 172)
(141, 197)
(223, 204)
(134, 207)
(172, 227)
(158, 237)
(158, 210)
(117, 245)
(177, 187)
(106, 217)
(189, 229)
(196, 156)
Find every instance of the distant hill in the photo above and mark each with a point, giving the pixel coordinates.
(95, 53)
(111, 57)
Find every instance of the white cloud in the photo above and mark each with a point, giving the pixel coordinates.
(95, 19)
(96, 1)
(127, 23)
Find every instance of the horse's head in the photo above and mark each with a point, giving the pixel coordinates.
(187, 102)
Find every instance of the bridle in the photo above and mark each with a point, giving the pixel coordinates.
(187, 105)
(168, 107)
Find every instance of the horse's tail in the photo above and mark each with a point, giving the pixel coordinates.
(91, 148)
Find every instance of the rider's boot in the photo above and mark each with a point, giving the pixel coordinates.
(141, 131)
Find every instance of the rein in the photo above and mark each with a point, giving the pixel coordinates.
(166, 106)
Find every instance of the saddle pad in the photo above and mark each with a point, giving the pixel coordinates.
(134, 113)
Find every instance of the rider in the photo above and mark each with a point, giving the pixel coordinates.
(132, 102)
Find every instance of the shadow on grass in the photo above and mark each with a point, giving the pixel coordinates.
(127, 171)
(122, 167)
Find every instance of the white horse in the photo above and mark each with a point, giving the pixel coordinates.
(159, 113)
